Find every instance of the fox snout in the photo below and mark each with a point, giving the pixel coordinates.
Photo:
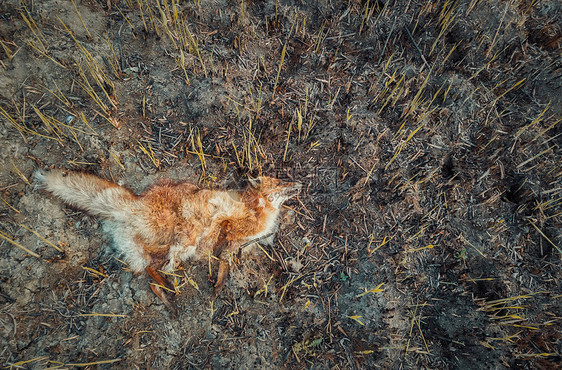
(283, 192)
(292, 189)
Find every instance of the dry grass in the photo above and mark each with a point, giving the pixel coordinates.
(426, 136)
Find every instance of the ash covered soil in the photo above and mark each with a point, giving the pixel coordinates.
(426, 135)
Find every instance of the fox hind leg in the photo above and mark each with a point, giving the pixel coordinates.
(157, 288)
(222, 243)
(224, 266)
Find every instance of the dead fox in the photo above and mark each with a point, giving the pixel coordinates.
(172, 222)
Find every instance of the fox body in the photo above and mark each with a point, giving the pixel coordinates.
(172, 222)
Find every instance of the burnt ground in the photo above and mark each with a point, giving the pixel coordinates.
(426, 134)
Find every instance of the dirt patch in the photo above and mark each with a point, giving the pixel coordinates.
(426, 134)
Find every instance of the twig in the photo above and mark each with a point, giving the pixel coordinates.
(387, 38)
(417, 47)
(544, 236)
(256, 240)
(120, 48)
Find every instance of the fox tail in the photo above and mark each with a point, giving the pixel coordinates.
(90, 193)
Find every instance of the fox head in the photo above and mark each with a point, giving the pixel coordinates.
(273, 190)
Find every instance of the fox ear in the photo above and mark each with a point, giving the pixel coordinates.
(254, 182)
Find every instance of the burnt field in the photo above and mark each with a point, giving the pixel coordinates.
(426, 136)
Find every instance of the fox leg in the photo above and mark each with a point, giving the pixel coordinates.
(221, 277)
(156, 276)
(224, 238)
(156, 288)
(222, 242)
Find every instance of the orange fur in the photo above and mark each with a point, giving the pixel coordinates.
(172, 222)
